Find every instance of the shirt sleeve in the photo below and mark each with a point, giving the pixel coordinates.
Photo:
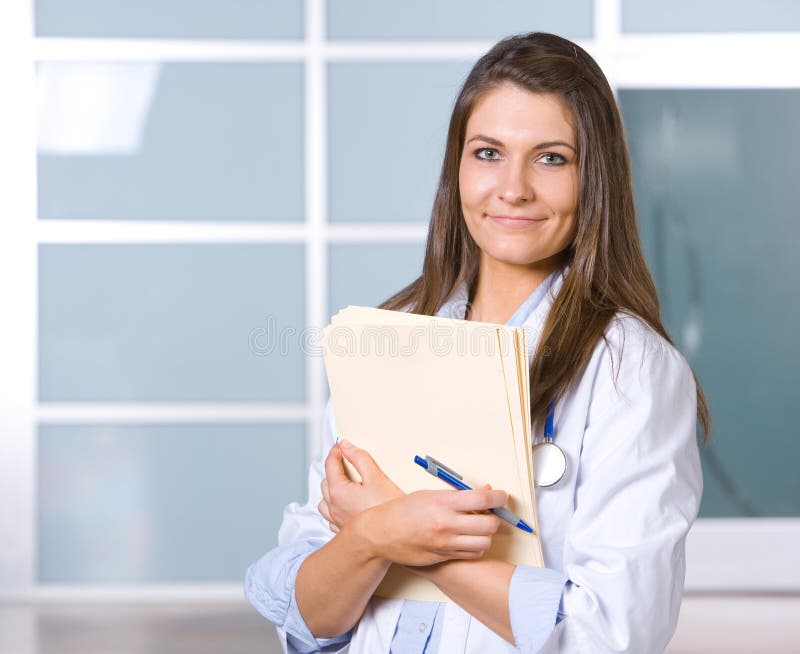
(638, 492)
(533, 599)
(270, 582)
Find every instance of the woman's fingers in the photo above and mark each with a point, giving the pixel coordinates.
(334, 466)
(465, 554)
(325, 510)
(478, 500)
(475, 544)
(362, 461)
(452, 523)
(478, 524)
(325, 506)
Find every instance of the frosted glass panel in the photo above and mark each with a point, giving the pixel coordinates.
(171, 503)
(715, 175)
(243, 19)
(387, 126)
(710, 16)
(455, 19)
(368, 274)
(176, 323)
(171, 141)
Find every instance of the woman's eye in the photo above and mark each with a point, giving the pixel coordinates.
(552, 159)
(488, 154)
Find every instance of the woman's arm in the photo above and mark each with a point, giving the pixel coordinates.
(378, 525)
(638, 493)
(519, 603)
(347, 565)
(479, 587)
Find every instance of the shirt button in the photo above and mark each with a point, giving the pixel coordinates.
(422, 626)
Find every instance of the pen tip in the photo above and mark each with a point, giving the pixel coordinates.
(525, 526)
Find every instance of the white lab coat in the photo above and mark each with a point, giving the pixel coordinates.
(615, 525)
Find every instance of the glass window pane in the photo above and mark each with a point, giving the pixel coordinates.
(167, 323)
(715, 174)
(166, 503)
(366, 274)
(212, 19)
(710, 16)
(455, 19)
(386, 146)
(175, 141)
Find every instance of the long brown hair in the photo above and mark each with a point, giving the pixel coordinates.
(607, 272)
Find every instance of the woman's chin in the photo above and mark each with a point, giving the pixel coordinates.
(515, 258)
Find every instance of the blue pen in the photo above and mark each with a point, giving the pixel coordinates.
(438, 469)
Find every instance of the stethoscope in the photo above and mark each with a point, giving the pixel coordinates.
(549, 460)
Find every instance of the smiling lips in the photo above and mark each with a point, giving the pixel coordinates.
(516, 221)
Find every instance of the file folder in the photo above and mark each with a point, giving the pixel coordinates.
(403, 384)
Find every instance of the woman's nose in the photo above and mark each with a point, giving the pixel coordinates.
(515, 184)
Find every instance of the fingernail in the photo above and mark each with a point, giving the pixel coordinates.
(345, 443)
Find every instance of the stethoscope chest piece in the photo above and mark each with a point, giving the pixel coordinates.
(549, 460)
(549, 463)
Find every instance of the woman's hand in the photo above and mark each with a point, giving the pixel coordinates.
(428, 527)
(343, 498)
(418, 529)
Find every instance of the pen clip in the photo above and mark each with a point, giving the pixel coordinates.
(434, 465)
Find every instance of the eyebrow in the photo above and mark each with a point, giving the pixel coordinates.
(545, 144)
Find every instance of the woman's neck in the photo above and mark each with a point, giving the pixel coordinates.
(502, 288)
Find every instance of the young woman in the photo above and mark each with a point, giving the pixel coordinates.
(533, 224)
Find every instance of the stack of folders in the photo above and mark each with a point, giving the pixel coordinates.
(404, 385)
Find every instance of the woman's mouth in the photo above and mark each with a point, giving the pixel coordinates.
(516, 221)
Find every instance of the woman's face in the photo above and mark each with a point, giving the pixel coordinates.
(518, 178)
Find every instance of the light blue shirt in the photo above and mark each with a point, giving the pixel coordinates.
(418, 630)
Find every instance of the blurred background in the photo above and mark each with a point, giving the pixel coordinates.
(190, 188)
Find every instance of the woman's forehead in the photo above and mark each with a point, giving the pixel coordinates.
(512, 114)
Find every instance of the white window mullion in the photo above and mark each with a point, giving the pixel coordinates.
(121, 49)
(142, 231)
(708, 61)
(316, 172)
(160, 413)
(411, 232)
(18, 294)
(607, 21)
(693, 60)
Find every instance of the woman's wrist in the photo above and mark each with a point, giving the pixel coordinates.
(361, 532)
(436, 570)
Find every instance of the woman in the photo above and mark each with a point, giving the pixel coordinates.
(533, 224)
